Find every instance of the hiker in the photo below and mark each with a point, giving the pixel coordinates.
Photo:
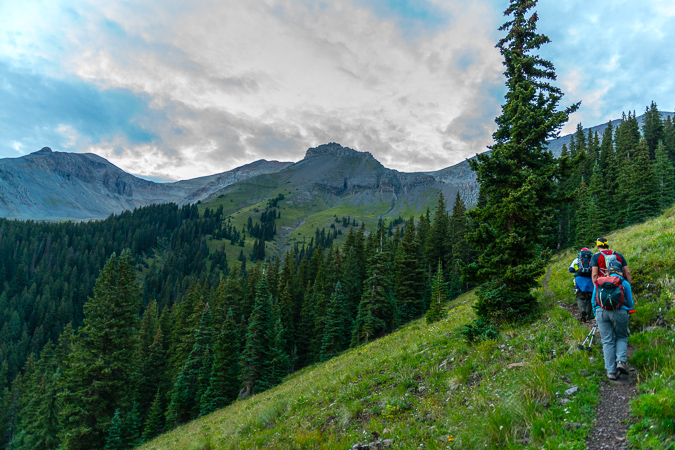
(612, 299)
(600, 261)
(583, 283)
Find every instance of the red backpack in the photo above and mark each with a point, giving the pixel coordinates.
(609, 293)
(603, 263)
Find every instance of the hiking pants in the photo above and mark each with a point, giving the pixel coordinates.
(613, 326)
(584, 303)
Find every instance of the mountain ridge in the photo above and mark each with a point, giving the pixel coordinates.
(48, 185)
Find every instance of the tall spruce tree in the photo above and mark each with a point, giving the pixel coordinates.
(458, 232)
(114, 439)
(517, 177)
(439, 295)
(669, 137)
(99, 377)
(652, 128)
(255, 360)
(599, 213)
(409, 279)
(665, 177)
(437, 244)
(279, 362)
(335, 335)
(377, 312)
(193, 379)
(643, 199)
(224, 381)
(154, 424)
(583, 216)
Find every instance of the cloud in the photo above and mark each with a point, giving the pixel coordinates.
(178, 89)
(184, 90)
(611, 55)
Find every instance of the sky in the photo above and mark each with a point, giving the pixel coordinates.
(172, 90)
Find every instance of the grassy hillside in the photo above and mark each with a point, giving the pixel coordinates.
(650, 250)
(424, 387)
(302, 212)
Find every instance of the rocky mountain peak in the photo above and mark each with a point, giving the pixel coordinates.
(335, 149)
(43, 151)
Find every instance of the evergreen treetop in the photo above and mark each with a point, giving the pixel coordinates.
(517, 177)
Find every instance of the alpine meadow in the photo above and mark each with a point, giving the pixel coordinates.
(333, 302)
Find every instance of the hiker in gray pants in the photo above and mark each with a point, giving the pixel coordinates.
(613, 323)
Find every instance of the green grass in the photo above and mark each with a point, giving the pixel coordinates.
(301, 214)
(650, 250)
(425, 385)
(421, 385)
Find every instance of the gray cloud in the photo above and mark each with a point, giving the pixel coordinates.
(189, 89)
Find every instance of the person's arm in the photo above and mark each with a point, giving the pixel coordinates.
(626, 274)
(594, 274)
(574, 265)
(630, 303)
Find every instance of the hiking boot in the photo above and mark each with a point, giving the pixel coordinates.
(622, 367)
(611, 376)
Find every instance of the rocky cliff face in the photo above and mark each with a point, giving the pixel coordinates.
(48, 185)
(341, 169)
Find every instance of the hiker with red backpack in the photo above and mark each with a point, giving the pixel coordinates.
(583, 283)
(600, 261)
(612, 299)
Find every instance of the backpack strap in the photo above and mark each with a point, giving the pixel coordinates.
(603, 272)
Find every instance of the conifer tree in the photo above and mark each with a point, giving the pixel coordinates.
(151, 358)
(607, 146)
(43, 424)
(566, 213)
(289, 306)
(455, 283)
(584, 220)
(643, 198)
(98, 380)
(665, 175)
(458, 231)
(255, 360)
(185, 320)
(154, 425)
(224, 381)
(303, 349)
(114, 439)
(437, 244)
(279, 363)
(627, 136)
(599, 211)
(353, 273)
(409, 277)
(377, 312)
(423, 227)
(193, 379)
(132, 428)
(669, 138)
(517, 176)
(319, 302)
(652, 129)
(336, 326)
(439, 296)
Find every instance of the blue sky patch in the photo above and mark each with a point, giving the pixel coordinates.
(411, 14)
(35, 106)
